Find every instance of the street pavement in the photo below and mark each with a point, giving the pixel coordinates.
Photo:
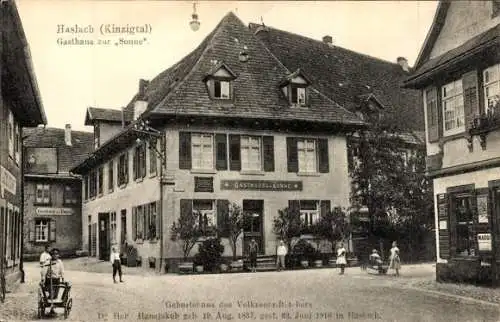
(301, 295)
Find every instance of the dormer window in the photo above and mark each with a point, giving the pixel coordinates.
(295, 88)
(222, 89)
(220, 81)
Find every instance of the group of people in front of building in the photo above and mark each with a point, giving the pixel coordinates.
(282, 251)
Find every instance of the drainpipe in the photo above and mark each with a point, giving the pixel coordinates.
(163, 160)
(21, 254)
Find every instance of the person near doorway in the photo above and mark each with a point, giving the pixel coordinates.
(395, 261)
(253, 249)
(341, 258)
(45, 260)
(115, 260)
(281, 252)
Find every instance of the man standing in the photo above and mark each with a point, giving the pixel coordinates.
(114, 258)
(281, 252)
(44, 262)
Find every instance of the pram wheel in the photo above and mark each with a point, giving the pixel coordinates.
(67, 308)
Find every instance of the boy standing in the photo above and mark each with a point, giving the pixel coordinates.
(281, 252)
(114, 258)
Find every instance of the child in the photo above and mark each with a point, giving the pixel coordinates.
(114, 258)
(281, 252)
(341, 258)
(395, 261)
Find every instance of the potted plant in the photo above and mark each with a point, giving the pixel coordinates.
(186, 230)
(209, 255)
(233, 229)
(305, 252)
(333, 226)
(287, 225)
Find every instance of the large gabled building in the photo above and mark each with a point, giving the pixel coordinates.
(20, 107)
(458, 73)
(236, 126)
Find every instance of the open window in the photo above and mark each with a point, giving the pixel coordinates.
(295, 88)
(220, 82)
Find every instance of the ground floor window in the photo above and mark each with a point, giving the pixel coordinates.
(204, 210)
(309, 212)
(42, 230)
(462, 205)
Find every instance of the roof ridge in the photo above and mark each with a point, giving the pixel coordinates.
(210, 37)
(58, 128)
(334, 46)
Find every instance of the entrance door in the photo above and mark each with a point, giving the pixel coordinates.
(254, 225)
(104, 241)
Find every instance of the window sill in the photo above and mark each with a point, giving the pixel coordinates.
(252, 172)
(308, 174)
(203, 171)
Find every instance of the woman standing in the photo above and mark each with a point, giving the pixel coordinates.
(253, 249)
(395, 261)
(341, 258)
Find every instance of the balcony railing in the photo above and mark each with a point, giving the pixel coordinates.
(485, 123)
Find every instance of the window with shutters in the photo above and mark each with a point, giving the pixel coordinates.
(70, 195)
(152, 221)
(309, 212)
(462, 205)
(251, 155)
(491, 80)
(453, 108)
(111, 176)
(306, 149)
(205, 215)
(42, 196)
(139, 213)
(202, 151)
(140, 162)
(42, 230)
(113, 227)
(123, 169)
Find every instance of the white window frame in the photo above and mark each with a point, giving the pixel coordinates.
(45, 194)
(301, 95)
(309, 216)
(452, 94)
(42, 230)
(204, 159)
(251, 153)
(491, 87)
(225, 89)
(211, 213)
(309, 163)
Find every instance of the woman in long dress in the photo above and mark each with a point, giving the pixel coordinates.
(395, 261)
(341, 258)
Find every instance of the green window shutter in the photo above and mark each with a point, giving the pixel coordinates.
(223, 217)
(221, 152)
(268, 151)
(444, 226)
(234, 153)
(184, 150)
(471, 102)
(52, 231)
(433, 115)
(323, 164)
(186, 207)
(324, 207)
(292, 155)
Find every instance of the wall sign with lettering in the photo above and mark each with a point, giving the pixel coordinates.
(262, 185)
(7, 182)
(203, 184)
(484, 242)
(48, 211)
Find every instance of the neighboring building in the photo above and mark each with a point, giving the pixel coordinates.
(237, 126)
(458, 72)
(106, 123)
(52, 196)
(20, 107)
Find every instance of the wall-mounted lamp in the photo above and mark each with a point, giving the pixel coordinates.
(194, 24)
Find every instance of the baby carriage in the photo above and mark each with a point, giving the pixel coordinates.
(376, 265)
(54, 294)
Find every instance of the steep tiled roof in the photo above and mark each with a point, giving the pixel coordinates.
(69, 156)
(180, 90)
(343, 75)
(106, 114)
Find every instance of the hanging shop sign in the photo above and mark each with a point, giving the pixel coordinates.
(48, 211)
(262, 185)
(484, 242)
(7, 182)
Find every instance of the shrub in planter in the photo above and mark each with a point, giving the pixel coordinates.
(210, 254)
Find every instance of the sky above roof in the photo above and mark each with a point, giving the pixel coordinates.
(74, 77)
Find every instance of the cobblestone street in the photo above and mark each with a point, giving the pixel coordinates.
(316, 294)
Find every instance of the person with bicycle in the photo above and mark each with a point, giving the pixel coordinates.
(55, 275)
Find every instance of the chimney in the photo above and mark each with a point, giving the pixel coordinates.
(67, 134)
(140, 105)
(328, 40)
(403, 62)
